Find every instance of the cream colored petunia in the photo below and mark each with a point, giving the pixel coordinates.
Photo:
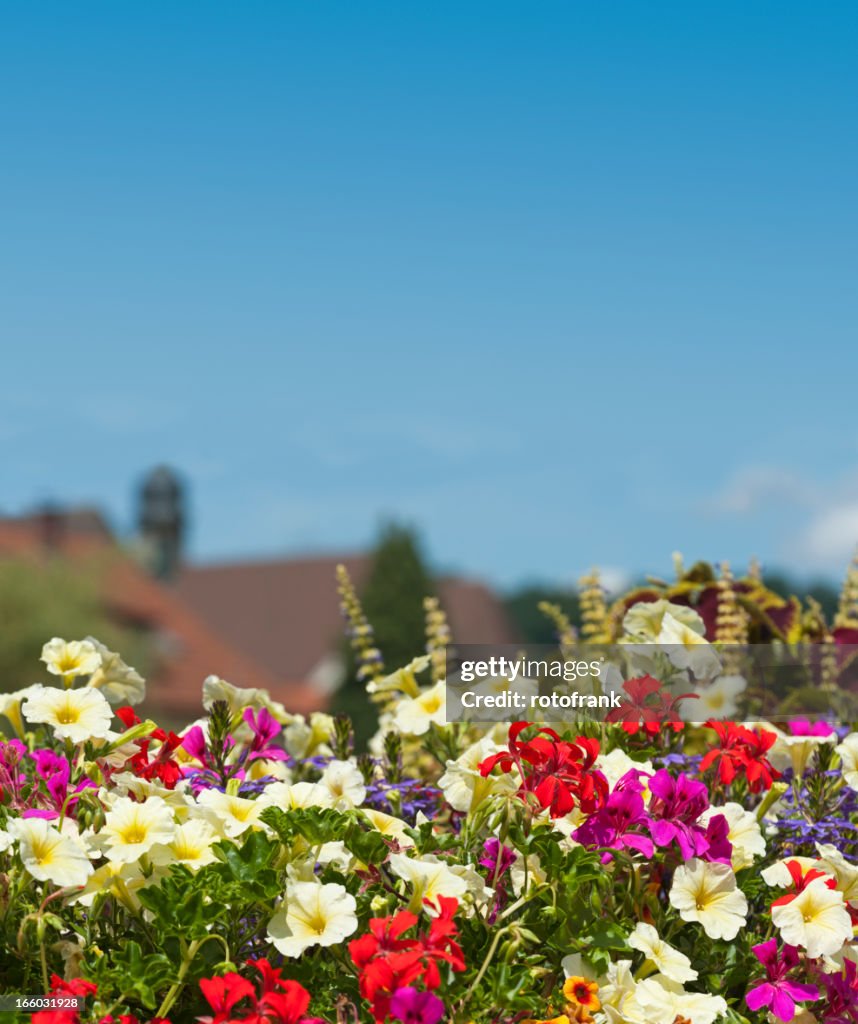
(120, 683)
(345, 784)
(191, 845)
(816, 920)
(669, 961)
(662, 1001)
(463, 786)
(70, 659)
(413, 716)
(847, 751)
(312, 914)
(718, 699)
(231, 815)
(686, 648)
(48, 854)
(428, 877)
(76, 715)
(390, 827)
(708, 894)
(744, 833)
(10, 706)
(131, 829)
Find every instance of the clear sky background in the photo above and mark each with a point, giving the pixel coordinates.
(561, 283)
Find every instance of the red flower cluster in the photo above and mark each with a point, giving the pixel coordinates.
(162, 766)
(742, 750)
(387, 962)
(559, 773)
(80, 988)
(647, 707)
(278, 1001)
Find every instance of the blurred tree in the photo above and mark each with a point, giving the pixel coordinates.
(534, 626)
(39, 601)
(392, 600)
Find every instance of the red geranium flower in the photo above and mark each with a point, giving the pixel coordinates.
(386, 961)
(559, 773)
(280, 1000)
(742, 750)
(649, 707)
(76, 987)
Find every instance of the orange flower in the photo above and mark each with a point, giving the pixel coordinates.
(581, 992)
(562, 1019)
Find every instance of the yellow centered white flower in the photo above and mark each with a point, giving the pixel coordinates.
(120, 683)
(662, 1001)
(344, 782)
(119, 880)
(10, 706)
(717, 700)
(708, 894)
(686, 648)
(75, 715)
(70, 658)
(845, 873)
(670, 962)
(745, 834)
(312, 914)
(816, 920)
(795, 751)
(462, 785)
(429, 878)
(191, 845)
(414, 715)
(234, 814)
(643, 620)
(292, 795)
(847, 751)
(47, 854)
(131, 829)
(388, 826)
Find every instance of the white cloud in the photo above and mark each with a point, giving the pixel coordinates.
(754, 487)
(832, 535)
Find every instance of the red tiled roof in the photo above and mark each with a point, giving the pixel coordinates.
(188, 648)
(287, 611)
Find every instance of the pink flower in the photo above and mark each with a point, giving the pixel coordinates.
(777, 993)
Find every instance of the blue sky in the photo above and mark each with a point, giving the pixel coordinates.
(563, 284)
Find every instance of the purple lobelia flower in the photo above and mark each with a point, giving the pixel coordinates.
(413, 1007)
(777, 993)
(675, 809)
(620, 821)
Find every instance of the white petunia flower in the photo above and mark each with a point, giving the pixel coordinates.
(388, 826)
(644, 620)
(816, 920)
(344, 782)
(10, 706)
(120, 683)
(744, 835)
(845, 873)
(795, 751)
(231, 815)
(312, 914)
(663, 1001)
(847, 751)
(76, 715)
(708, 894)
(716, 700)
(48, 854)
(292, 795)
(669, 961)
(119, 880)
(463, 787)
(429, 878)
(686, 648)
(777, 874)
(131, 829)
(414, 715)
(191, 845)
(70, 658)
(618, 993)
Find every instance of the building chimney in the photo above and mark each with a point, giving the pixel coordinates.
(161, 521)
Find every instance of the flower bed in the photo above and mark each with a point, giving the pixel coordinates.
(252, 868)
